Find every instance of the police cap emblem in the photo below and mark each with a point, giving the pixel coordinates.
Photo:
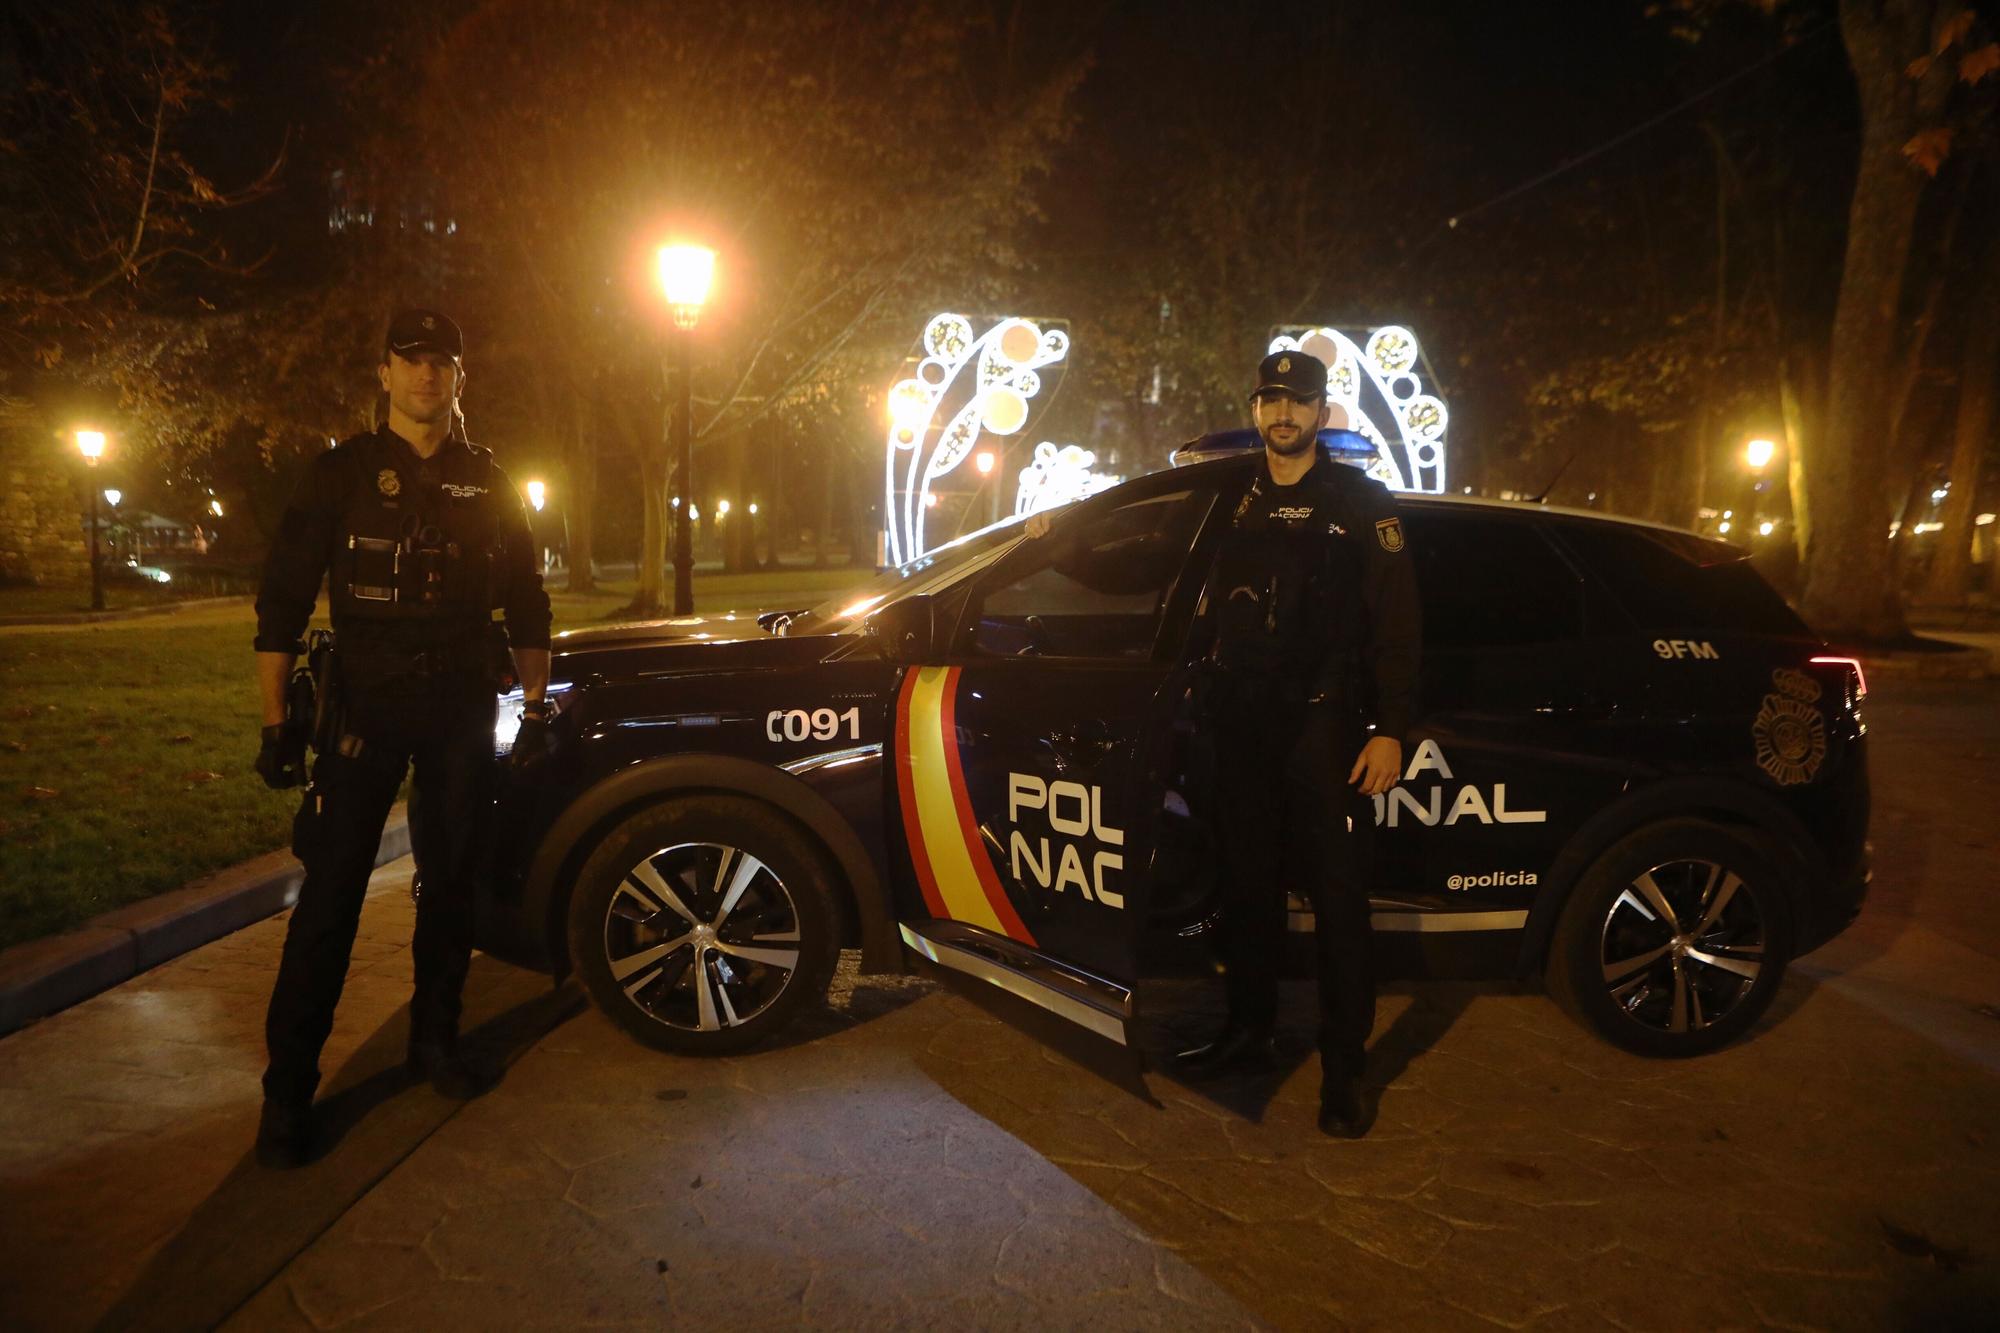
(1389, 532)
(387, 482)
(1285, 365)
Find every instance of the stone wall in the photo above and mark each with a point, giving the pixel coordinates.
(42, 537)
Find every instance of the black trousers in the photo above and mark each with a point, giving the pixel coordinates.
(441, 727)
(1287, 819)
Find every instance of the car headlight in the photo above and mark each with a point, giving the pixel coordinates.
(507, 716)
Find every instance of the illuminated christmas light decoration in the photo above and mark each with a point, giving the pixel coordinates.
(1005, 365)
(1375, 390)
(1059, 475)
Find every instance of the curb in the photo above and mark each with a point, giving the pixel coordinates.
(131, 613)
(45, 976)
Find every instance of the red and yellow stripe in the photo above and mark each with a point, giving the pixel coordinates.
(953, 869)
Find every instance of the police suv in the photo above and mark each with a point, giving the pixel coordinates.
(1637, 775)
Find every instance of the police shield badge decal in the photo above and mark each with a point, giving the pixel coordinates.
(1389, 532)
(1789, 733)
(387, 482)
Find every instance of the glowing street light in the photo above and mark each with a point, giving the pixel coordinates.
(112, 496)
(722, 509)
(753, 508)
(538, 495)
(1764, 528)
(983, 460)
(215, 508)
(685, 274)
(90, 443)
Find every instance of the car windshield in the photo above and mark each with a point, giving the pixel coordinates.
(928, 572)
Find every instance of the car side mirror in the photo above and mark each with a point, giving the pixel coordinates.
(905, 630)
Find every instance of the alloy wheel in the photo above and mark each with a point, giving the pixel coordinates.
(1682, 945)
(701, 936)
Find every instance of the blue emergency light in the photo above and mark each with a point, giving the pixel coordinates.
(1341, 445)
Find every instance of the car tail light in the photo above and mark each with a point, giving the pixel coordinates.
(1854, 665)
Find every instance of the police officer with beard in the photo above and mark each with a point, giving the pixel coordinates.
(1312, 689)
(419, 536)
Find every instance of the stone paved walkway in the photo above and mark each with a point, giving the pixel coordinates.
(908, 1161)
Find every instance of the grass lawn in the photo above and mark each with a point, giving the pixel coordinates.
(125, 749)
(60, 599)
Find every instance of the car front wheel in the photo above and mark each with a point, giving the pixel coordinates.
(1674, 941)
(702, 925)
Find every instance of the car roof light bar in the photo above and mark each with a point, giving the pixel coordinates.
(1346, 446)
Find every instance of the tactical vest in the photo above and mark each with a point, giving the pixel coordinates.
(1287, 587)
(417, 543)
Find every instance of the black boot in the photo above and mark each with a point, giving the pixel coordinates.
(1343, 1112)
(1232, 1049)
(284, 1134)
(449, 1070)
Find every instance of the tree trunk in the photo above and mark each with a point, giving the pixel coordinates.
(580, 483)
(1950, 570)
(735, 529)
(653, 596)
(823, 522)
(1850, 588)
(1801, 395)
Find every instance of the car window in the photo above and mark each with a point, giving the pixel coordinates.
(1095, 586)
(927, 573)
(1491, 582)
(1680, 583)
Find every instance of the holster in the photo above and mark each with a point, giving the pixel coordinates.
(499, 658)
(308, 824)
(329, 714)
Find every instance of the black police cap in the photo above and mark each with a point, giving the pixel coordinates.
(1295, 372)
(417, 330)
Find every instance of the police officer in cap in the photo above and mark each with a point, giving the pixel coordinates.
(1314, 610)
(420, 536)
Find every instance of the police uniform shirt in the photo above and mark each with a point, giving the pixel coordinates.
(1314, 576)
(419, 551)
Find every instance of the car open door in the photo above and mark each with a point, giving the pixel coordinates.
(1029, 755)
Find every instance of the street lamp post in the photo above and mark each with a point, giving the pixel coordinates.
(685, 273)
(91, 444)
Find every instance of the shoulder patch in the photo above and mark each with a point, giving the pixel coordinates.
(1389, 532)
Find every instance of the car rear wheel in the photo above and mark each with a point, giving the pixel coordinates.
(703, 924)
(1674, 941)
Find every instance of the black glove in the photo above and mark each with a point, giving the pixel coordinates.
(281, 761)
(531, 742)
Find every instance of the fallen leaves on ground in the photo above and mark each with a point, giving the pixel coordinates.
(199, 775)
(42, 793)
(181, 739)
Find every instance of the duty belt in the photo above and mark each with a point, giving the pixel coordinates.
(381, 663)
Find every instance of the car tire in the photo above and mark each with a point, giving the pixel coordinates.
(703, 924)
(1674, 941)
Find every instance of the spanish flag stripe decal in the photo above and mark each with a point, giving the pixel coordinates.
(937, 816)
(974, 844)
(906, 789)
